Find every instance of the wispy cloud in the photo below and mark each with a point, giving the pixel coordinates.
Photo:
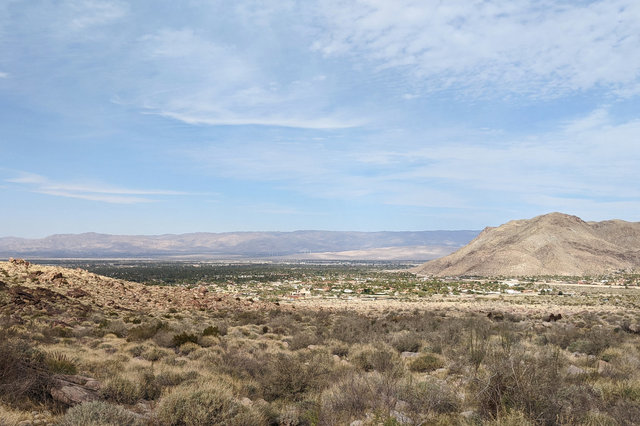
(104, 193)
(591, 157)
(4, 75)
(540, 49)
(222, 85)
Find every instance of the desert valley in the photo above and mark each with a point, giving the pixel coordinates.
(534, 322)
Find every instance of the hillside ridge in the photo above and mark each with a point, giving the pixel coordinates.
(550, 244)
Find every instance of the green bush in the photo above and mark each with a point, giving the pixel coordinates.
(426, 362)
(212, 330)
(184, 337)
(99, 413)
(58, 362)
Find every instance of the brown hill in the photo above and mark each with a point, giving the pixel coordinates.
(551, 244)
(61, 293)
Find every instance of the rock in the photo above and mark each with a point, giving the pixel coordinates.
(402, 405)
(400, 417)
(93, 385)
(440, 373)
(25, 423)
(21, 262)
(72, 390)
(73, 394)
(356, 423)
(603, 367)
(246, 402)
(468, 414)
(572, 370)
(77, 292)
(404, 355)
(336, 358)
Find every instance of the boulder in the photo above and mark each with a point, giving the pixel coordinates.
(572, 370)
(73, 389)
(603, 367)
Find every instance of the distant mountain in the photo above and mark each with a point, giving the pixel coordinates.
(299, 244)
(552, 244)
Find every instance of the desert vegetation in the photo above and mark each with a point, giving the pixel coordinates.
(500, 362)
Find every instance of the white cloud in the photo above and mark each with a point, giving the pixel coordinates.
(4, 75)
(537, 48)
(98, 192)
(202, 81)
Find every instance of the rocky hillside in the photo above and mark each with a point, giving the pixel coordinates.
(59, 293)
(551, 244)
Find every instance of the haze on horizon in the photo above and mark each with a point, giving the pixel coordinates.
(154, 117)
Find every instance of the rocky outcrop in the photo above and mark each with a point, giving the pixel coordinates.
(72, 390)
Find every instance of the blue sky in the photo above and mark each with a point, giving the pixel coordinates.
(152, 117)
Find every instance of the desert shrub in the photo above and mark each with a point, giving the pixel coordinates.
(212, 330)
(23, 373)
(208, 341)
(204, 404)
(282, 323)
(238, 363)
(144, 331)
(99, 413)
(188, 347)
(340, 349)
(351, 329)
(357, 394)
(11, 417)
(291, 376)
(303, 339)
(184, 337)
(169, 378)
(590, 341)
(137, 350)
(406, 341)
(522, 382)
(250, 317)
(148, 386)
(58, 362)
(121, 390)
(117, 327)
(612, 391)
(426, 362)
(426, 398)
(379, 358)
(153, 354)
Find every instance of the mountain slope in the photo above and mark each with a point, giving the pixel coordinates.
(551, 244)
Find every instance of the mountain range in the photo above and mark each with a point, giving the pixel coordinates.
(321, 245)
(551, 244)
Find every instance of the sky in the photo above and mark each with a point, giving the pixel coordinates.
(153, 117)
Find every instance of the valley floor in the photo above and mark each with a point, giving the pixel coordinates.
(81, 349)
